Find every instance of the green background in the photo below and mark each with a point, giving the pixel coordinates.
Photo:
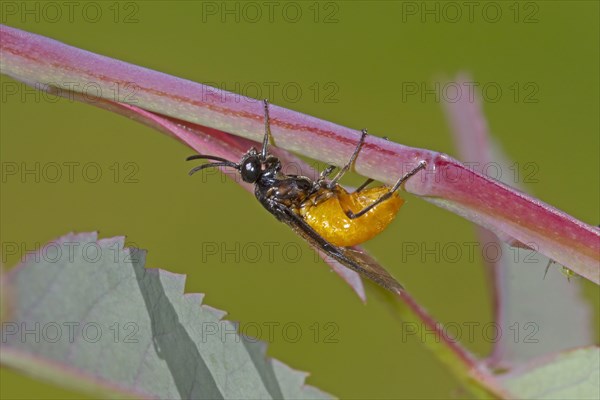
(368, 52)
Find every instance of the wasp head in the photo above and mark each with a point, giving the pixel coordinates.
(252, 166)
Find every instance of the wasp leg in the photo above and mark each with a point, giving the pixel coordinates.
(266, 138)
(387, 195)
(364, 185)
(326, 172)
(368, 181)
(346, 167)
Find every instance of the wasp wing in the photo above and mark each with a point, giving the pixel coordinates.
(349, 257)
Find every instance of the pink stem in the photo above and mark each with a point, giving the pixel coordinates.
(446, 182)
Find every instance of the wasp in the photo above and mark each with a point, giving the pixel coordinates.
(326, 215)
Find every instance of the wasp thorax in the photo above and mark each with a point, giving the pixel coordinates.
(272, 164)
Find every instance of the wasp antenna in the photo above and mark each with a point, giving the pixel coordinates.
(205, 157)
(217, 164)
(265, 143)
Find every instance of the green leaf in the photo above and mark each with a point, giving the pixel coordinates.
(573, 374)
(86, 314)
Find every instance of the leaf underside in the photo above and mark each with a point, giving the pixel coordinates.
(570, 375)
(105, 324)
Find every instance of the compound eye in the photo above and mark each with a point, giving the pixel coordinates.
(251, 169)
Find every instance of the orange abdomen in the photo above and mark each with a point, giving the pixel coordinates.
(330, 221)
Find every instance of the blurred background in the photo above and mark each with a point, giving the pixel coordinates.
(360, 64)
